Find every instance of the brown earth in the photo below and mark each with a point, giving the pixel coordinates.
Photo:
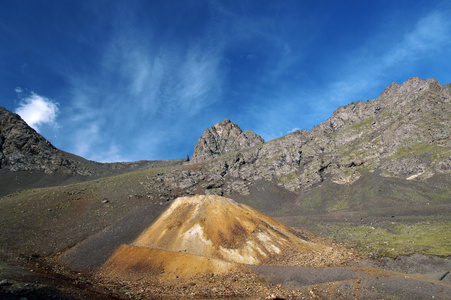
(136, 263)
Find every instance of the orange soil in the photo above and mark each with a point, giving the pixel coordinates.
(135, 263)
(212, 234)
(218, 227)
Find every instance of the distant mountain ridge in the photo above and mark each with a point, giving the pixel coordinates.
(404, 133)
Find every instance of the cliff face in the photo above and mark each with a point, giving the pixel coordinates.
(404, 133)
(224, 137)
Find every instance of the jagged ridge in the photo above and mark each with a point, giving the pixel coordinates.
(405, 132)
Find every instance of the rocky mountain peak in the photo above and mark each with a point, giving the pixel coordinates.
(404, 133)
(222, 138)
(410, 88)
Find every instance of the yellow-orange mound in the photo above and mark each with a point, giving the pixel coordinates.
(133, 263)
(209, 234)
(219, 227)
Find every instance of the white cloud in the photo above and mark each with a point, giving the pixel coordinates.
(37, 110)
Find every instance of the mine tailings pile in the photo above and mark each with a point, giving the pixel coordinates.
(209, 234)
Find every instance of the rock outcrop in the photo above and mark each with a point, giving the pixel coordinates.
(224, 137)
(404, 133)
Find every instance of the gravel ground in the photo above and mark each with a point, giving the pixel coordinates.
(37, 278)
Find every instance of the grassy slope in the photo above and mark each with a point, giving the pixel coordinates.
(382, 216)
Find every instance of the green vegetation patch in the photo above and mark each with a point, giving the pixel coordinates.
(394, 239)
(423, 150)
(288, 178)
(362, 125)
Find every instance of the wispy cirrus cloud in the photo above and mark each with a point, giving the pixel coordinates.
(144, 85)
(367, 71)
(430, 36)
(360, 74)
(37, 110)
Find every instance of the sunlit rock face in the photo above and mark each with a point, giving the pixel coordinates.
(224, 137)
(403, 133)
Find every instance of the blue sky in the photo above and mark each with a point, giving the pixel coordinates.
(134, 80)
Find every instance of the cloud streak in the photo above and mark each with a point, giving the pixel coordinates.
(364, 71)
(144, 84)
(361, 74)
(143, 79)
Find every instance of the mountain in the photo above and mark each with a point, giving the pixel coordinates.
(404, 133)
(22, 148)
(224, 137)
(399, 140)
(28, 160)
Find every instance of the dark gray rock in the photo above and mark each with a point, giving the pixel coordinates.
(22, 148)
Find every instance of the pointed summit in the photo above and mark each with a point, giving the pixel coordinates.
(224, 137)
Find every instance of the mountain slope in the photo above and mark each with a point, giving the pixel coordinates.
(28, 160)
(405, 133)
(22, 148)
